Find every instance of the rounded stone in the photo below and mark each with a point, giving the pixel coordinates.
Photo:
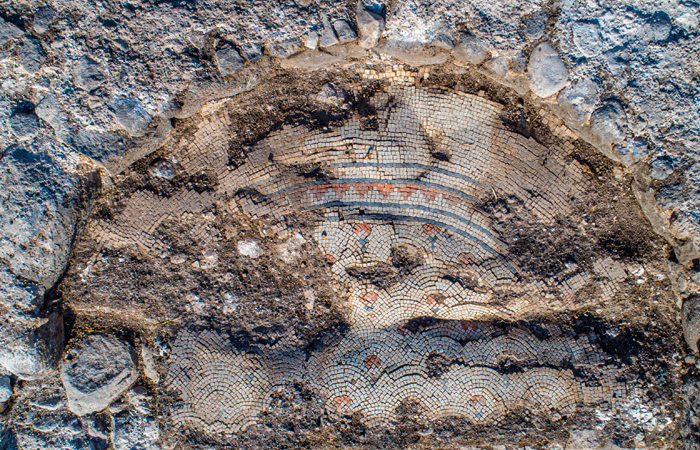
(24, 125)
(609, 122)
(548, 75)
(95, 372)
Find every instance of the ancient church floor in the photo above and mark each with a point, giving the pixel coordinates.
(394, 254)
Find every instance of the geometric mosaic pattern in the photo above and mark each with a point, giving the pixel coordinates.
(413, 179)
(367, 374)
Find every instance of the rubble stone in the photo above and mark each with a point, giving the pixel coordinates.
(95, 372)
(548, 75)
(370, 26)
(691, 321)
(609, 122)
(229, 60)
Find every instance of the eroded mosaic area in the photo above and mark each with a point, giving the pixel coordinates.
(399, 211)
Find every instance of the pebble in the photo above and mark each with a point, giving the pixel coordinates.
(548, 75)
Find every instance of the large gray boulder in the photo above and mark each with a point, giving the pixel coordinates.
(547, 72)
(38, 214)
(96, 371)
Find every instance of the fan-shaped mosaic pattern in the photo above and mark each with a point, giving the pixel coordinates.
(415, 177)
(222, 389)
(366, 373)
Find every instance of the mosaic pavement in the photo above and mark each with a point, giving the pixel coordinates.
(413, 181)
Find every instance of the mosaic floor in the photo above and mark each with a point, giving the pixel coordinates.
(413, 183)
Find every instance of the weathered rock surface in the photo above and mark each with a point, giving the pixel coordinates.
(471, 50)
(690, 426)
(131, 114)
(131, 431)
(609, 122)
(579, 99)
(8, 32)
(370, 25)
(229, 60)
(95, 372)
(691, 321)
(547, 72)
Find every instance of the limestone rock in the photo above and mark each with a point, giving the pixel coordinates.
(691, 321)
(328, 38)
(609, 122)
(661, 168)
(412, 53)
(31, 55)
(8, 32)
(587, 39)
(285, 48)
(131, 431)
(251, 51)
(631, 151)
(131, 115)
(548, 75)
(344, 31)
(470, 50)
(250, 249)
(149, 364)
(43, 18)
(5, 388)
(88, 74)
(229, 60)
(24, 125)
(51, 112)
(311, 60)
(39, 214)
(370, 26)
(95, 372)
(579, 99)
